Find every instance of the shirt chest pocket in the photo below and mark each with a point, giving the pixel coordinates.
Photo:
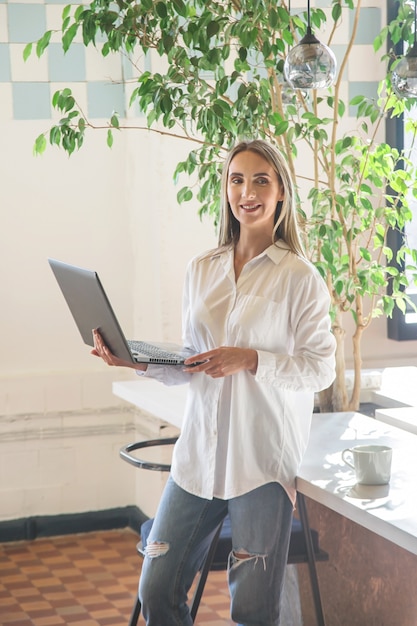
(260, 323)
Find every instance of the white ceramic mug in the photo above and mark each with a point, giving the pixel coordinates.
(372, 463)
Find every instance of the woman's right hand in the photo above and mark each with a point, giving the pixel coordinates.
(101, 350)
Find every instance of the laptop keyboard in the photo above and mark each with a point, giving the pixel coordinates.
(152, 351)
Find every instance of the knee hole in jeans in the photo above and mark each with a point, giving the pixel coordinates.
(154, 549)
(238, 557)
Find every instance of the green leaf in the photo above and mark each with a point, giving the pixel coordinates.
(27, 51)
(68, 37)
(243, 53)
(218, 109)
(378, 278)
(273, 18)
(68, 141)
(357, 100)
(114, 120)
(288, 37)
(184, 195)
(366, 189)
(365, 254)
(180, 7)
(253, 102)
(43, 43)
(212, 29)
(281, 127)
(341, 108)
(336, 11)
(388, 305)
(166, 103)
(380, 229)
(66, 11)
(69, 103)
(55, 135)
(40, 145)
(401, 305)
(79, 12)
(327, 253)
(242, 91)
(161, 9)
(109, 138)
(168, 42)
(55, 99)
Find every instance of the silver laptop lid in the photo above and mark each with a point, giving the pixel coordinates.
(91, 308)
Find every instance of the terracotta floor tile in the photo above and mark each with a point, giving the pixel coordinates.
(53, 620)
(87, 579)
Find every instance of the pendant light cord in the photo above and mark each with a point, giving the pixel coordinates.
(309, 20)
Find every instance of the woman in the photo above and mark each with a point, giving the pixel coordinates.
(255, 315)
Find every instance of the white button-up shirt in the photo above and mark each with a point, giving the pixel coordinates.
(243, 431)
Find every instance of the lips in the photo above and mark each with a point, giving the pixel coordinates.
(249, 207)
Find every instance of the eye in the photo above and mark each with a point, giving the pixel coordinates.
(236, 180)
(262, 181)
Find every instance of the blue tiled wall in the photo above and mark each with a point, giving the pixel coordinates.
(104, 98)
(31, 101)
(5, 75)
(33, 83)
(369, 25)
(32, 89)
(68, 67)
(26, 22)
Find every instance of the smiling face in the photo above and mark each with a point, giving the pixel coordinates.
(253, 191)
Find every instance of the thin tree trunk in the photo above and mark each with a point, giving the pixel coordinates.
(357, 367)
(335, 398)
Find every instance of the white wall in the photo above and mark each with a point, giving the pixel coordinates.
(110, 210)
(164, 235)
(114, 211)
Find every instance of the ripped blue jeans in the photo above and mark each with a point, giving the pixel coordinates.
(261, 527)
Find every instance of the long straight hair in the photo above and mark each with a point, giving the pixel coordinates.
(285, 225)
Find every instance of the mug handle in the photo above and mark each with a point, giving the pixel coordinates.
(346, 452)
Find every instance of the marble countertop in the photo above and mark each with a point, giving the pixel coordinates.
(398, 387)
(388, 510)
(166, 403)
(403, 417)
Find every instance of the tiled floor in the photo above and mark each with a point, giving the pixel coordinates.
(84, 580)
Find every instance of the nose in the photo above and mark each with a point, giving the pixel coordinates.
(248, 191)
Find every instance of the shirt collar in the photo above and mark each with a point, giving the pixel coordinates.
(276, 252)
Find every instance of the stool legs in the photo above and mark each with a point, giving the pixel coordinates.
(134, 617)
(204, 573)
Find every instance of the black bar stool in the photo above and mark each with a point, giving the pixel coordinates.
(304, 542)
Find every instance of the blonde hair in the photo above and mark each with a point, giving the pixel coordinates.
(286, 226)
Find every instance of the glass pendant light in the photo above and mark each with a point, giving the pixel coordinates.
(310, 64)
(404, 76)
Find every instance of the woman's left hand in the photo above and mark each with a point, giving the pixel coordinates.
(223, 361)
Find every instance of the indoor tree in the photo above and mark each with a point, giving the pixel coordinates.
(224, 80)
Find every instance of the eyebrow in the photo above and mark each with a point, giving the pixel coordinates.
(257, 174)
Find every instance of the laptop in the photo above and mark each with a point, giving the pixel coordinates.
(91, 308)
